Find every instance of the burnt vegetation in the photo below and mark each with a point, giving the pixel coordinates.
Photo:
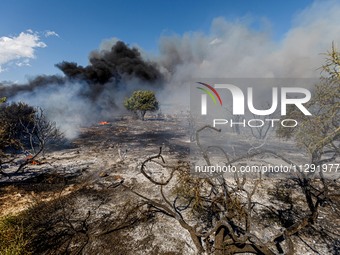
(222, 216)
(127, 202)
(25, 129)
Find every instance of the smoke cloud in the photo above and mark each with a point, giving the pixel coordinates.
(113, 66)
(236, 50)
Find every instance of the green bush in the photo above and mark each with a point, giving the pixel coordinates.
(2, 100)
(140, 102)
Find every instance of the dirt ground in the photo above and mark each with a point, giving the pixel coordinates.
(80, 183)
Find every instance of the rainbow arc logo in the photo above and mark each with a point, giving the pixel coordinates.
(212, 93)
(208, 92)
(239, 99)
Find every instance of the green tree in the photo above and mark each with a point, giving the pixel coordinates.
(3, 100)
(140, 102)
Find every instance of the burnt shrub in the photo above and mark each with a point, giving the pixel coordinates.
(16, 119)
(23, 127)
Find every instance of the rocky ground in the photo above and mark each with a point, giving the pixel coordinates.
(77, 203)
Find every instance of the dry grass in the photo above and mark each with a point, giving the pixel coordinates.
(14, 238)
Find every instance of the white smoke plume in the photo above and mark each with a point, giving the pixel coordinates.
(62, 105)
(235, 50)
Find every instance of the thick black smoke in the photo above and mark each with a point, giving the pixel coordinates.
(34, 84)
(112, 66)
(107, 69)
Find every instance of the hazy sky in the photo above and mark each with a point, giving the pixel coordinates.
(35, 34)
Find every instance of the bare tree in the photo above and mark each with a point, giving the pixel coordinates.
(220, 214)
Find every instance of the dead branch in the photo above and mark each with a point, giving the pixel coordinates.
(158, 156)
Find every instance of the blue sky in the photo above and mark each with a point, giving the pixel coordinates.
(82, 25)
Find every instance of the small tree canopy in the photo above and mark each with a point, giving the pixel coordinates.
(141, 101)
